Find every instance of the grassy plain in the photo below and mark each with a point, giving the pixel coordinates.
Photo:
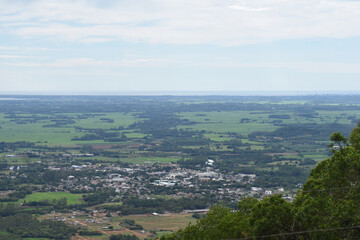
(150, 222)
(41, 196)
(34, 131)
(151, 159)
(218, 126)
(215, 123)
(20, 160)
(36, 238)
(227, 121)
(245, 122)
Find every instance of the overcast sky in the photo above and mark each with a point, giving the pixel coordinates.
(179, 45)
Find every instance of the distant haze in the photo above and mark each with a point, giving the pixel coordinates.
(175, 93)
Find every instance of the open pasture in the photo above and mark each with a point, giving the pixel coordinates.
(245, 122)
(42, 196)
(36, 238)
(227, 121)
(18, 160)
(150, 159)
(150, 222)
(59, 130)
(217, 137)
(62, 128)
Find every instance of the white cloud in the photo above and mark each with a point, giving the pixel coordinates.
(324, 67)
(15, 57)
(243, 8)
(8, 48)
(14, 48)
(226, 22)
(309, 67)
(88, 62)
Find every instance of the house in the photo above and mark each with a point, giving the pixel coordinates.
(268, 192)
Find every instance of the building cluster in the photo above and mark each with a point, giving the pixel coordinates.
(144, 180)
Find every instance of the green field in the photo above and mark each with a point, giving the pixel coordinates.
(135, 135)
(217, 137)
(224, 122)
(12, 131)
(150, 159)
(111, 204)
(36, 238)
(19, 160)
(230, 121)
(150, 222)
(41, 196)
(4, 234)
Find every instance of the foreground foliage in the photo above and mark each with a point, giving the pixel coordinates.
(25, 226)
(123, 237)
(328, 207)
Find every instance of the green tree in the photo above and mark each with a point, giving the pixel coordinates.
(355, 137)
(272, 215)
(338, 141)
(330, 197)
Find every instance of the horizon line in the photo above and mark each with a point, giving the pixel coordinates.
(180, 93)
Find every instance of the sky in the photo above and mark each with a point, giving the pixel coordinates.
(179, 45)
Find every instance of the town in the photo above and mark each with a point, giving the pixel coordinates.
(145, 180)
